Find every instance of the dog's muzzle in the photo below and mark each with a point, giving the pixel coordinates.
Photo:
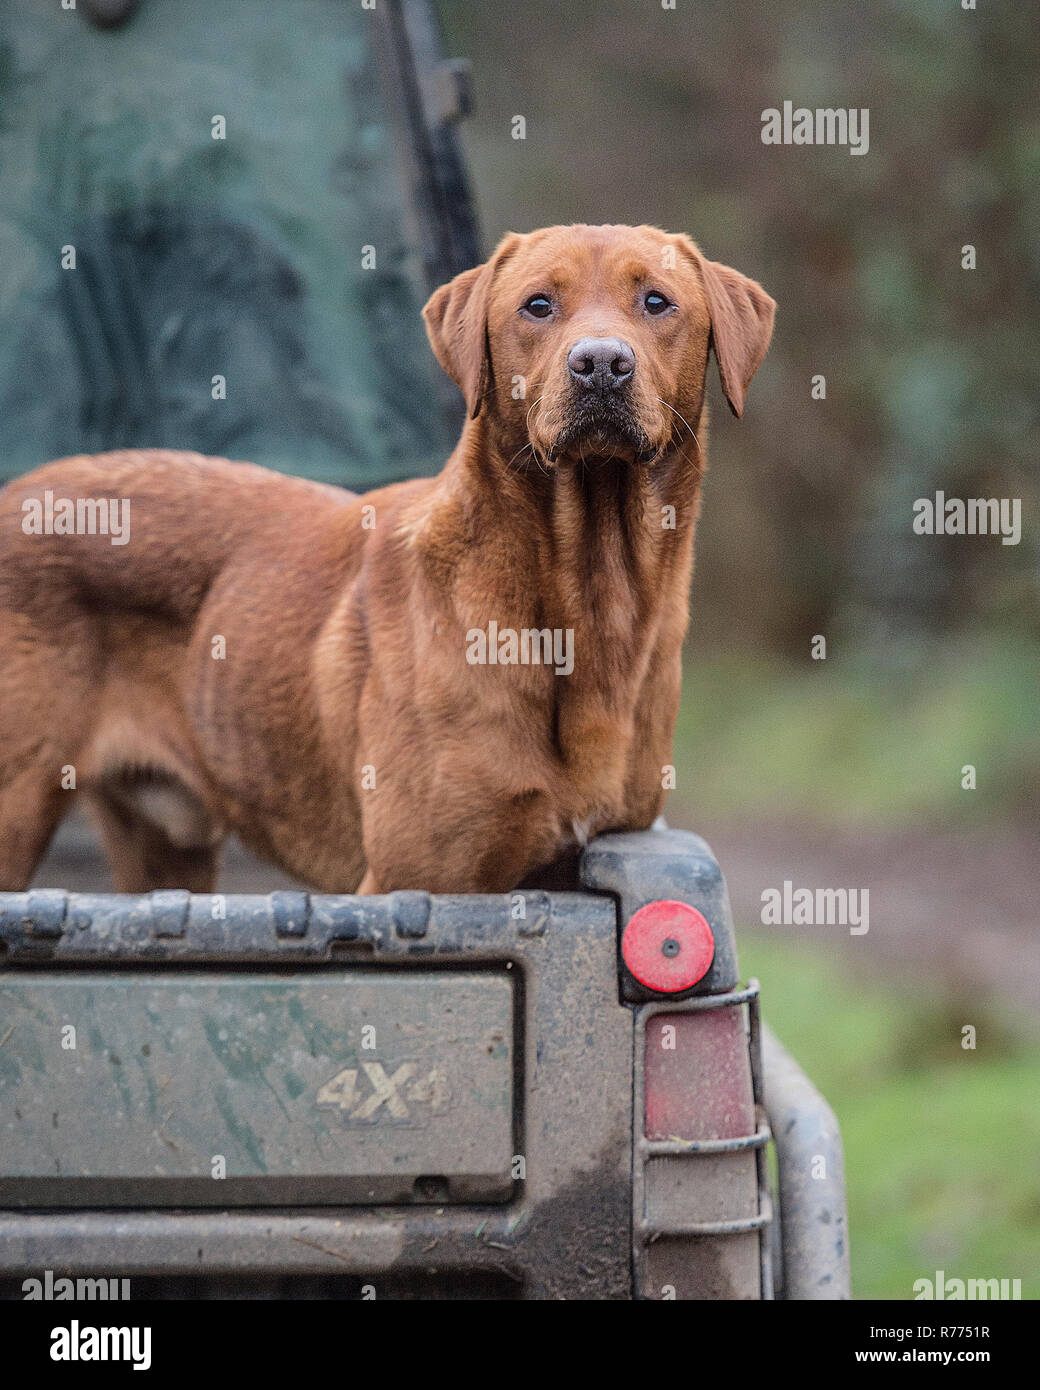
(599, 411)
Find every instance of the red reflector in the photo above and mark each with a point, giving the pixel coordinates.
(668, 946)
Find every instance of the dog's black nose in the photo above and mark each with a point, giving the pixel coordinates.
(601, 364)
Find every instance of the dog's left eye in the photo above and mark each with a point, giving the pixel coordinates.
(539, 306)
(656, 303)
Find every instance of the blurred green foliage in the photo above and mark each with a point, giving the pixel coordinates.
(847, 743)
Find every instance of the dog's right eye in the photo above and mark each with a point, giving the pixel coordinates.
(539, 306)
(657, 303)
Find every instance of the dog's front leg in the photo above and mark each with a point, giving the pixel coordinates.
(368, 884)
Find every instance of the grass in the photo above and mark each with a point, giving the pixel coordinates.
(858, 745)
(942, 1145)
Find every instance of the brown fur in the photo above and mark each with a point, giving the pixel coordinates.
(346, 646)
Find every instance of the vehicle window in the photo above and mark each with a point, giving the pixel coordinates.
(164, 287)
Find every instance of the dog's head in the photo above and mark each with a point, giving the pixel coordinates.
(589, 342)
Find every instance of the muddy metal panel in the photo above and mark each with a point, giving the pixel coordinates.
(566, 1230)
(637, 1160)
(205, 1089)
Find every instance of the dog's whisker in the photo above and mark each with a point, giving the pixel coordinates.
(521, 450)
(680, 417)
(527, 418)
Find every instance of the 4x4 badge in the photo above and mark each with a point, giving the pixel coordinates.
(381, 1096)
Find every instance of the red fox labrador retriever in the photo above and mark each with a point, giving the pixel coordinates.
(444, 684)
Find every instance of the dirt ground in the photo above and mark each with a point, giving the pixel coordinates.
(960, 910)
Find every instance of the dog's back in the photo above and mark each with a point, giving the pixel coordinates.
(99, 608)
(65, 528)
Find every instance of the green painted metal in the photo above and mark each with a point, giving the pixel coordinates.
(199, 1088)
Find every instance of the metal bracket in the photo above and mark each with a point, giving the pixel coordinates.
(812, 1180)
(646, 1231)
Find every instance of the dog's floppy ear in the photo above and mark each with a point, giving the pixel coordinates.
(456, 318)
(741, 324)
